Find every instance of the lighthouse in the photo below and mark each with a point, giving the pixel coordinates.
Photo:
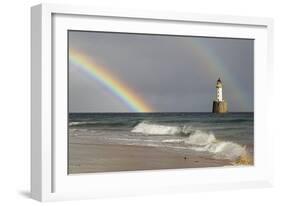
(219, 90)
(219, 105)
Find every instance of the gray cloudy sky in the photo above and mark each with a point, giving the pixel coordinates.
(170, 73)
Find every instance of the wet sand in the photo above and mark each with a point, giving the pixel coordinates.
(89, 158)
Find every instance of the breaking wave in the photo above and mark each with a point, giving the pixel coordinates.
(196, 140)
(156, 129)
(223, 150)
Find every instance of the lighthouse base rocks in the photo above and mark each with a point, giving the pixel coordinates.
(219, 106)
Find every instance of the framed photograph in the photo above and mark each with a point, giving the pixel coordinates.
(137, 102)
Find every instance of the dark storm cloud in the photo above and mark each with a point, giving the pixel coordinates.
(165, 70)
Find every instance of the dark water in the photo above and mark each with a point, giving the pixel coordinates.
(225, 136)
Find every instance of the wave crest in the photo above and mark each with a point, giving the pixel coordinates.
(156, 129)
(223, 150)
(200, 138)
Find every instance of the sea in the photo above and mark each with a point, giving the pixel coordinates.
(219, 136)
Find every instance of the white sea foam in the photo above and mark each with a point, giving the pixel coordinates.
(202, 141)
(82, 123)
(200, 138)
(194, 139)
(75, 123)
(172, 140)
(228, 150)
(155, 129)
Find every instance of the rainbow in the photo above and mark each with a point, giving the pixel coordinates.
(119, 89)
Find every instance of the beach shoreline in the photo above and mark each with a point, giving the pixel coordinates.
(93, 158)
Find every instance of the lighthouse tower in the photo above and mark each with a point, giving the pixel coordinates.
(219, 90)
(219, 105)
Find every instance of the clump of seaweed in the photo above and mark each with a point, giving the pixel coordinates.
(245, 159)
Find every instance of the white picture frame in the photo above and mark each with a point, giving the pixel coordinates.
(49, 178)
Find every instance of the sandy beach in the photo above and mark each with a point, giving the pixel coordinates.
(89, 158)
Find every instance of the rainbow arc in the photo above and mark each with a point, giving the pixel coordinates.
(118, 88)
